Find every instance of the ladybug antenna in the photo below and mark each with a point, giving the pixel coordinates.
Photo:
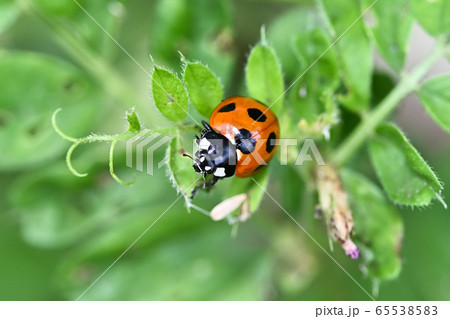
(187, 155)
(204, 180)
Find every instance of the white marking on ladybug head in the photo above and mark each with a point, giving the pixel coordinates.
(220, 172)
(202, 159)
(208, 168)
(204, 144)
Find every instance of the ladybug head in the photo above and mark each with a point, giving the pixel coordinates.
(216, 154)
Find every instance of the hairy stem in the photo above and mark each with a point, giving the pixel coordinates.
(407, 84)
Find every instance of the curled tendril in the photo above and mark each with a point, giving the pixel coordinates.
(111, 166)
(106, 138)
(69, 160)
(93, 138)
(58, 130)
(75, 144)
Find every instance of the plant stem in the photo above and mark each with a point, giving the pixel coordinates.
(408, 83)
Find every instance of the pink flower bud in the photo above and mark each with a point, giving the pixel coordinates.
(226, 207)
(350, 249)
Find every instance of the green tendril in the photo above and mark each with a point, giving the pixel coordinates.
(111, 166)
(69, 160)
(58, 130)
(110, 138)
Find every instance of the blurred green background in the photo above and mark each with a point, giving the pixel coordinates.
(58, 232)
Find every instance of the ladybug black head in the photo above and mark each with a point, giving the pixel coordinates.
(216, 154)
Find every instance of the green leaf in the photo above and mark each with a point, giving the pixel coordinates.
(433, 16)
(404, 174)
(52, 206)
(435, 97)
(309, 47)
(57, 210)
(171, 23)
(309, 95)
(204, 89)
(23, 283)
(282, 32)
(378, 227)
(189, 265)
(134, 124)
(59, 8)
(183, 25)
(391, 29)
(264, 78)
(220, 16)
(169, 95)
(107, 13)
(291, 196)
(213, 38)
(125, 213)
(33, 86)
(180, 169)
(254, 191)
(353, 50)
(257, 192)
(8, 14)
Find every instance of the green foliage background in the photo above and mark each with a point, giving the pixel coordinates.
(58, 232)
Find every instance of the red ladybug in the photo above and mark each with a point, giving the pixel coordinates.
(240, 139)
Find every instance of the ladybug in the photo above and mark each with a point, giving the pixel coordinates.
(239, 140)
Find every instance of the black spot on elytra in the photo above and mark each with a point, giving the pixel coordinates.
(244, 142)
(227, 108)
(256, 115)
(270, 144)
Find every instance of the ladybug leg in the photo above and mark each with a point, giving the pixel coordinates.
(194, 191)
(318, 214)
(204, 180)
(207, 126)
(213, 182)
(197, 187)
(204, 185)
(197, 139)
(210, 183)
(207, 129)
